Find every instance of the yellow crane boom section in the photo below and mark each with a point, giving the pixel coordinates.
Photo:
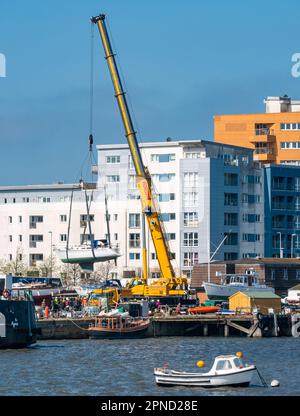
(143, 177)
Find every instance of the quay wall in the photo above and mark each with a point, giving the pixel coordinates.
(190, 325)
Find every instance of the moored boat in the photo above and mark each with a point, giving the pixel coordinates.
(232, 283)
(227, 370)
(116, 325)
(17, 316)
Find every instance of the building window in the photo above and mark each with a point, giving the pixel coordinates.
(25, 199)
(190, 219)
(289, 126)
(153, 256)
(190, 258)
(190, 199)
(231, 256)
(5, 200)
(20, 218)
(251, 237)
(230, 218)
(10, 257)
(20, 238)
(33, 258)
(132, 182)
(230, 199)
(192, 155)
(250, 255)
(231, 240)
(20, 257)
(273, 274)
(115, 217)
(162, 158)
(155, 275)
(166, 197)
(34, 239)
(297, 274)
(34, 219)
(250, 199)
(230, 179)
(116, 237)
(171, 236)
(163, 177)
(10, 238)
(134, 256)
(112, 159)
(251, 179)
(167, 216)
(134, 220)
(112, 178)
(190, 179)
(190, 239)
(84, 218)
(14, 200)
(63, 218)
(251, 218)
(10, 219)
(63, 237)
(130, 162)
(43, 199)
(285, 274)
(134, 240)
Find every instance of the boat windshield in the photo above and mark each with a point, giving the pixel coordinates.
(223, 365)
(238, 362)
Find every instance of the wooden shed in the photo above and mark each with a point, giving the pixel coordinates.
(260, 300)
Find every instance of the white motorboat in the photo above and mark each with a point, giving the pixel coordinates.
(232, 283)
(227, 370)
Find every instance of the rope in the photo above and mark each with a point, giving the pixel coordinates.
(80, 327)
(261, 378)
(89, 220)
(92, 79)
(69, 226)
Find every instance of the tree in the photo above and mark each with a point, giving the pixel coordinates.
(102, 271)
(48, 267)
(71, 274)
(16, 266)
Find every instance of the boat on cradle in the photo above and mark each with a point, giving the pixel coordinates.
(85, 254)
(118, 325)
(227, 370)
(232, 283)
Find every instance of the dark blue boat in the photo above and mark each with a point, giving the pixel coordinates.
(18, 327)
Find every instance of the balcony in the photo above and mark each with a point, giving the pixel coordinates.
(263, 135)
(264, 155)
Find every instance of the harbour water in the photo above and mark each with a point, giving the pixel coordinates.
(125, 367)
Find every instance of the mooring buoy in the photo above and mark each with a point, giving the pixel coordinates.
(275, 383)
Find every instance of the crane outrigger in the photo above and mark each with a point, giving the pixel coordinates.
(168, 283)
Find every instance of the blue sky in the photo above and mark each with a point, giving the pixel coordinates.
(183, 62)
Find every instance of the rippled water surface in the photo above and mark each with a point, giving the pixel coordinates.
(125, 367)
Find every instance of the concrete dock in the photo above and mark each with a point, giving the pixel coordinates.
(180, 325)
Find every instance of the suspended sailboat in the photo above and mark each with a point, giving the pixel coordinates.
(88, 253)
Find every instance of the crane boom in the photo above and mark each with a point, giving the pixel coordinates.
(143, 177)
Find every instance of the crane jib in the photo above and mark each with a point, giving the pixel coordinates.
(143, 177)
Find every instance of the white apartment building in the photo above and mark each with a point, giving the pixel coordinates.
(206, 191)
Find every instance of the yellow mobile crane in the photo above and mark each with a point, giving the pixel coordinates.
(168, 283)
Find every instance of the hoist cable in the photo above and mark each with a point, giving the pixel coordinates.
(89, 221)
(69, 225)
